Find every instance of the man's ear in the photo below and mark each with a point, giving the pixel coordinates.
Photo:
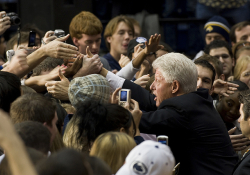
(211, 90)
(122, 130)
(222, 77)
(109, 39)
(76, 41)
(175, 86)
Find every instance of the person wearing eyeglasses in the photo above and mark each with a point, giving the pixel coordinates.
(222, 51)
(241, 49)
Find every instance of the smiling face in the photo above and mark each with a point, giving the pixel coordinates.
(161, 89)
(228, 107)
(120, 39)
(223, 55)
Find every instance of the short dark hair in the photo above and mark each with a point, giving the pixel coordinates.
(47, 65)
(218, 44)
(206, 64)
(33, 107)
(244, 98)
(66, 162)
(34, 135)
(237, 26)
(9, 89)
(211, 59)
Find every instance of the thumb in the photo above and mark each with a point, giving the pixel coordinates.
(89, 54)
(63, 38)
(62, 77)
(231, 131)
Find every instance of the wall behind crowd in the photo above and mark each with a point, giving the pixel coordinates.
(180, 22)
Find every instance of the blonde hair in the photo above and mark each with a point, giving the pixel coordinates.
(240, 66)
(113, 148)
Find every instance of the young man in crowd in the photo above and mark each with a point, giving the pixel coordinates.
(118, 32)
(243, 167)
(206, 75)
(216, 28)
(222, 51)
(240, 32)
(85, 30)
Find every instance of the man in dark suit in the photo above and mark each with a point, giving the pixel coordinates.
(197, 135)
(243, 167)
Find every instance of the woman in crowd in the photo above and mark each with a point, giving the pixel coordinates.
(242, 70)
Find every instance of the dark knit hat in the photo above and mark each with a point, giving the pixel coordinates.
(219, 25)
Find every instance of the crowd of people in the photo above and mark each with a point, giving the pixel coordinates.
(61, 113)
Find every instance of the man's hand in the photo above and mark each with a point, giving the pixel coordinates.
(59, 89)
(124, 60)
(224, 88)
(114, 97)
(137, 50)
(239, 142)
(142, 81)
(18, 63)
(133, 107)
(58, 49)
(153, 44)
(72, 70)
(48, 37)
(4, 22)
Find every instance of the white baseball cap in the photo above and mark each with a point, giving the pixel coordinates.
(148, 158)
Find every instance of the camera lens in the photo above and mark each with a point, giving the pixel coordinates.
(15, 20)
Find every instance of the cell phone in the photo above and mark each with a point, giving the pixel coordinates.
(163, 139)
(32, 39)
(10, 54)
(124, 96)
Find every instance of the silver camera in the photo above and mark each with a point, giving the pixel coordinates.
(59, 33)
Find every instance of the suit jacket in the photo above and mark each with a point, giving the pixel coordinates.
(197, 135)
(243, 167)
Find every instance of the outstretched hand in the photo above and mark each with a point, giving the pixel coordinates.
(239, 142)
(72, 70)
(59, 89)
(224, 88)
(153, 44)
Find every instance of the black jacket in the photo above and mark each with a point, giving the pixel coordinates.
(243, 167)
(197, 135)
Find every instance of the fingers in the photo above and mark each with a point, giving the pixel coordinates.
(50, 83)
(49, 33)
(233, 85)
(239, 148)
(134, 104)
(88, 52)
(63, 38)
(114, 96)
(126, 106)
(61, 76)
(69, 46)
(231, 131)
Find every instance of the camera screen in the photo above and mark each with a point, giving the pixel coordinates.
(32, 39)
(123, 96)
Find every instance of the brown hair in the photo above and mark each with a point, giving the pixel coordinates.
(113, 148)
(237, 27)
(215, 62)
(24, 37)
(33, 107)
(238, 48)
(244, 98)
(241, 66)
(112, 26)
(85, 23)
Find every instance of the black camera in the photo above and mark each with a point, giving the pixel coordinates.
(14, 19)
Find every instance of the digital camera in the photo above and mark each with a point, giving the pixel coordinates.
(14, 19)
(59, 33)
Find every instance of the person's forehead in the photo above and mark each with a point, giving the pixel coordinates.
(242, 31)
(219, 50)
(90, 37)
(233, 97)
(213, 34)
(204, 72)
(122, 26)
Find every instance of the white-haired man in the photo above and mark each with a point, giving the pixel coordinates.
(197, 135)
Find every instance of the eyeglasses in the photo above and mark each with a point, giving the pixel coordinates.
(244, 44)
